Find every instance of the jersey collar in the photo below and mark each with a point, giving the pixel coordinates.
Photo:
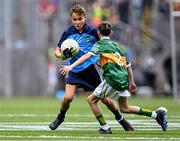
(105, 37)
(85, 28)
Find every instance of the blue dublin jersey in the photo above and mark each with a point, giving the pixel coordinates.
(86, 40)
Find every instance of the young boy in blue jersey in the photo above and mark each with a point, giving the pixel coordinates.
(118, 78)
(85, 75)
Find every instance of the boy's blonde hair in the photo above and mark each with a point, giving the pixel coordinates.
(78, 9)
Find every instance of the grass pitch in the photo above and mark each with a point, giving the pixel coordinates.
(28, 119)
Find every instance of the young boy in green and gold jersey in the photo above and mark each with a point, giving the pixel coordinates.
(118, 79)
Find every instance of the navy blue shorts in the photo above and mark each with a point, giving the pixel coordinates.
(88, 79)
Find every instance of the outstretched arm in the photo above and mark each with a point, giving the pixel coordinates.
(66, 69)
(132, 85)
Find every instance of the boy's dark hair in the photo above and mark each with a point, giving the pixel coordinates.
(105, 28)
(78, 9)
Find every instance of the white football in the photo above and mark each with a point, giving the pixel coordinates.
(69, 48)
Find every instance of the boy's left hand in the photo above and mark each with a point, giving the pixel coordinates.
(132, 88)
(65, 69)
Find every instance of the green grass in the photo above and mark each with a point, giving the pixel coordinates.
(28, 118)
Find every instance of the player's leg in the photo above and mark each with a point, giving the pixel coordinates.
(159, 114)
(97, 74)
(111, 105)
(68, 97)
(93, 102)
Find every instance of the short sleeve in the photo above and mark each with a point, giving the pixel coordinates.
(96, 49)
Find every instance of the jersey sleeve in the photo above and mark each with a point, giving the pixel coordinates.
(97, 50)
(127, 60)
(124, 52)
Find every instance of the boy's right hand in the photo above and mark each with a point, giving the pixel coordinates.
(65, 69)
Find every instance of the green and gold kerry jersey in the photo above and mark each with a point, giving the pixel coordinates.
(113, 63)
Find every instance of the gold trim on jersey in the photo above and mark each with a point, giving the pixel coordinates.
(113, 58)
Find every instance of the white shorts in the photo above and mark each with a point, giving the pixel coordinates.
(105, 90)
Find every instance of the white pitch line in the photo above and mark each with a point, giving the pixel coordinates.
(80, 129)
(92, 138)
(74, 124)
(111, 122)
(85, 125)
(71, 115)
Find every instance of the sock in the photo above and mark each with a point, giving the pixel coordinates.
(61, 114)
(154, 114)
(101, 120)
(105, 127)
(120, 120)
(118, 116)
(145, 112)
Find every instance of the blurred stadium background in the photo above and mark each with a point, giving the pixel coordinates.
(30, 83)
(30, 30)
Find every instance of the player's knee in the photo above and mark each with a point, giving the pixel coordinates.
(89, 100)
(124, 109)
(92, 100)
(105, 101)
